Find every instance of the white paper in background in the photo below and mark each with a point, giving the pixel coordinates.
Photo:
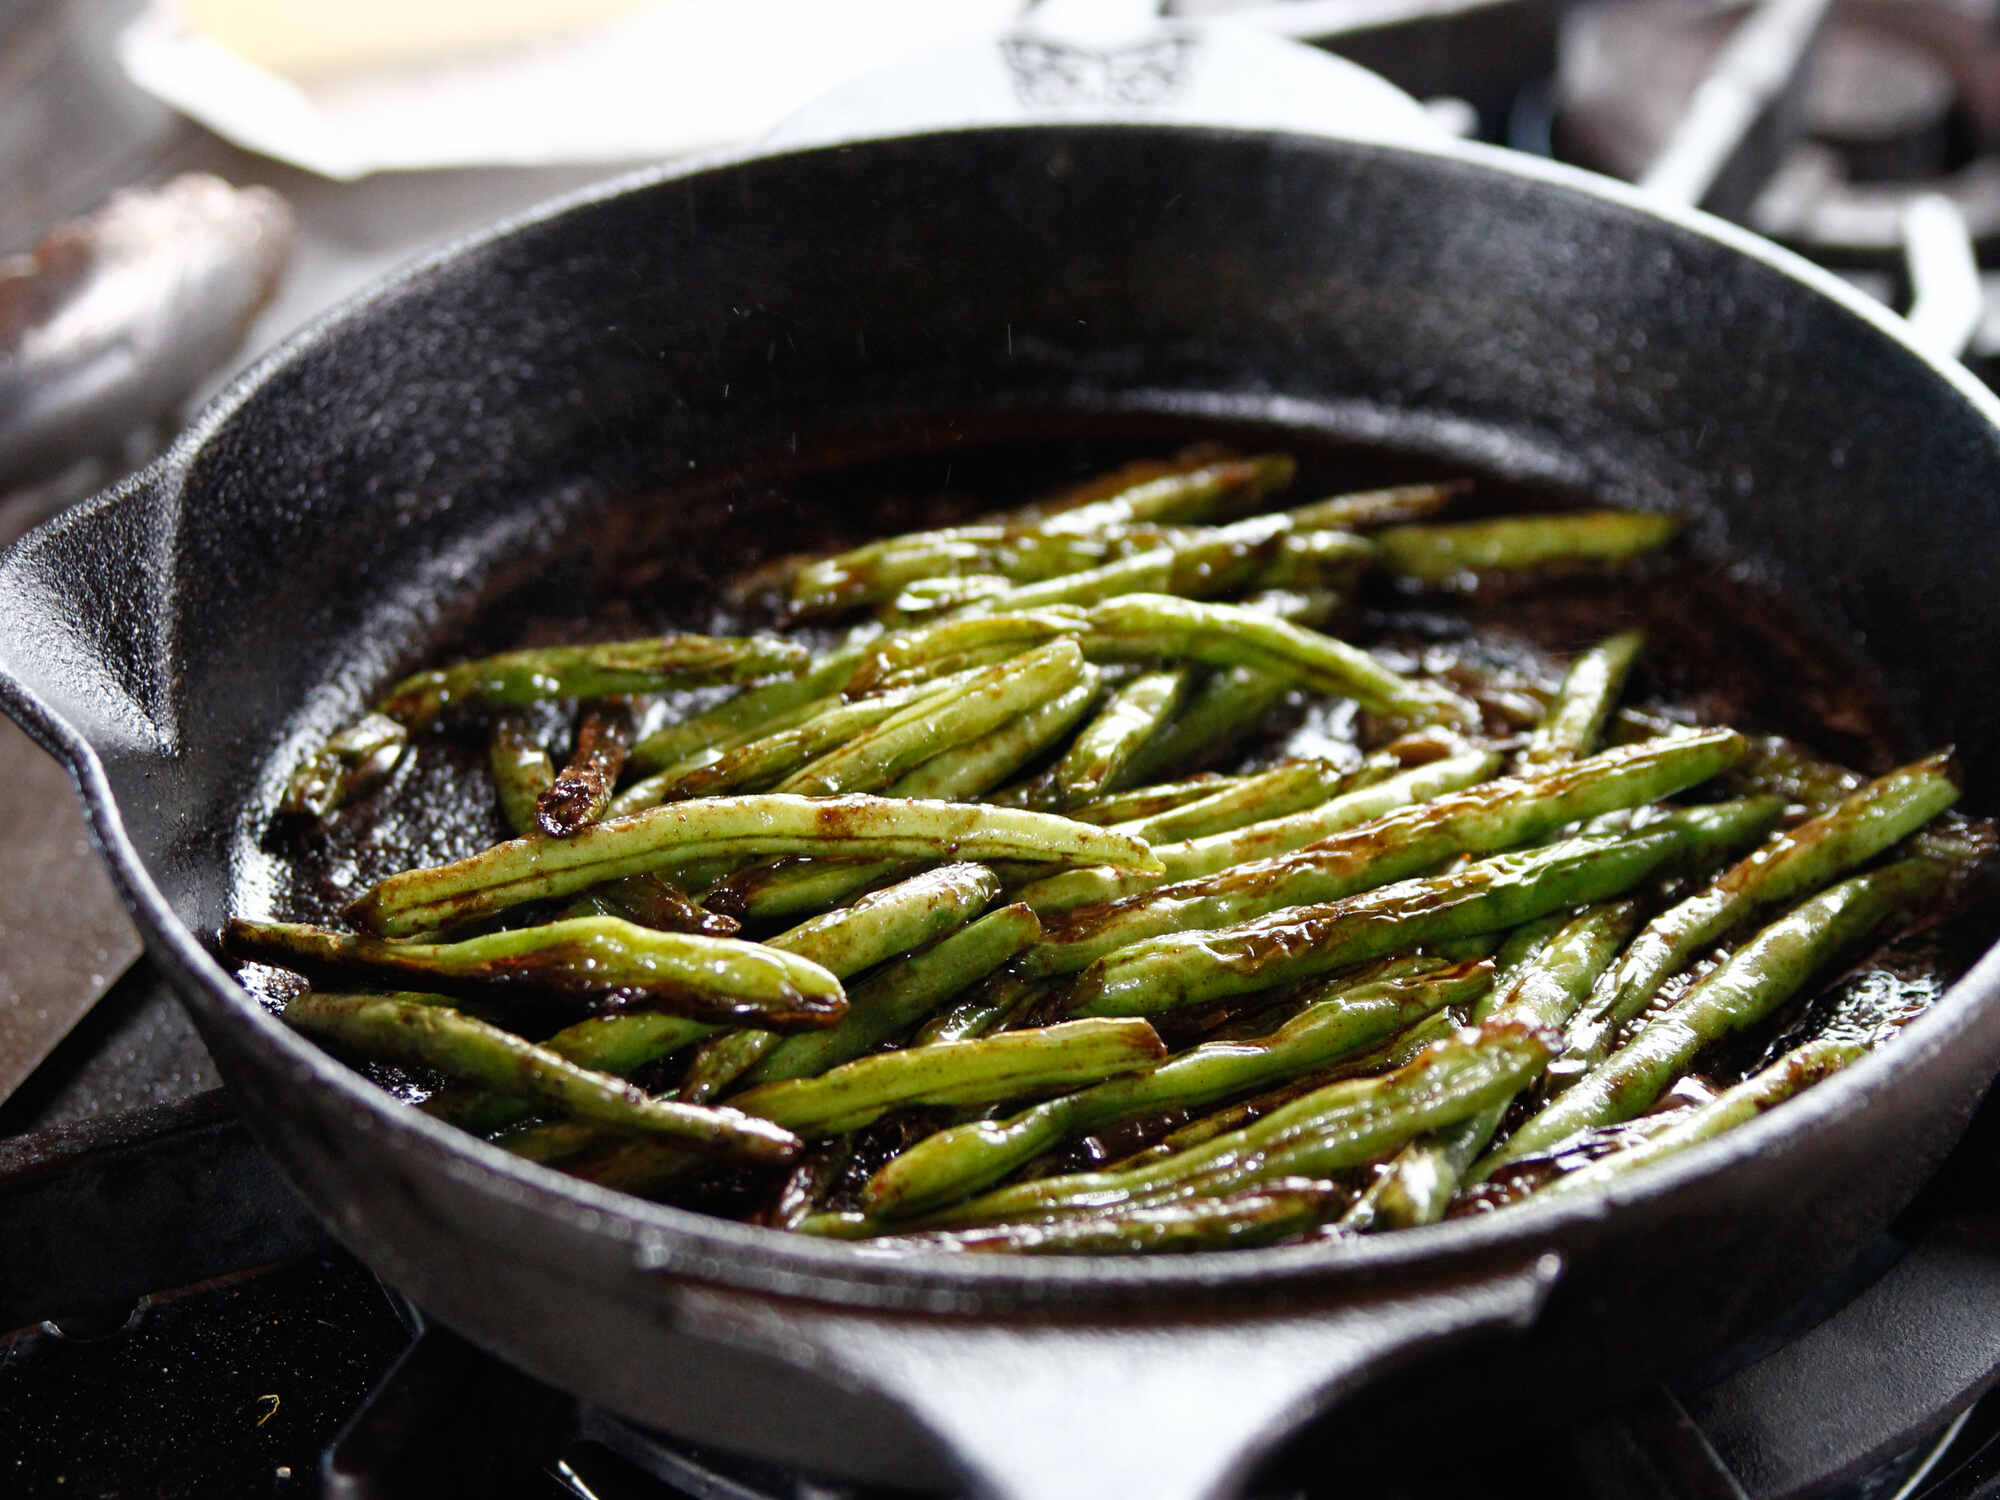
(683, 75)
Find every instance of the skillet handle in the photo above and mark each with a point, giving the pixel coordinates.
(1020, 1405)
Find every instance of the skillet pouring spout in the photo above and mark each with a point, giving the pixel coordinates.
(85, 653)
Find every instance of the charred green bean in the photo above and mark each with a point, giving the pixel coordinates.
(534, 869)
(514, 678)
(434, 1036)
(598, 959)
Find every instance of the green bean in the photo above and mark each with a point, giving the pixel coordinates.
(1583, 703)
(1221, 635)
(534, 869)
(846, 941)
(972, 659)
(346, 764)
(1084, 535)
(651, 902)
(796, 885)
(1417, 1185)
(1262, 1215)
(893, 920)
(582, 792)
(1204, 563)
(762, 761)
(935, 598)
(1292, 787)
(1311, 607)
(721, 1061)
(942, 720)
(750, 713)
(979, 765)
(1479, 820)
(514, 678)
(992, 1005)
(1143, 802)
(899, 995)
(521, 771)
(1439, 554)
(618, 1044)
(1223, 709)
(1398, 1051)
(1372, 508)
(969, 564)
(889, 661)
(1313, 566)
(1760, 976)
(1333, 1128)
(1346, 1017)
(955, 1073)
(1792, 863)
(1191, 859)
(1183, 495)
(1106, 744)
(625, 1043)
(1795, 1072)
(1168, 973)
(786, 888)
(585, 958)
(435, 1036)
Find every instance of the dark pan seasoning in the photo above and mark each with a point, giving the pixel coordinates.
(1081, 1138)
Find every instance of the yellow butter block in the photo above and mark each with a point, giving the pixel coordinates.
(307, 38)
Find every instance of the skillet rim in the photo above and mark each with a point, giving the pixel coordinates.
(680, 1243)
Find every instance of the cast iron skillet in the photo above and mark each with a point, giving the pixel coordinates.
(177, 640)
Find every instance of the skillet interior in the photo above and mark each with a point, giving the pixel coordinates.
(357, 496)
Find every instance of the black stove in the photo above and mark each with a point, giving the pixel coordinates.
(181, 1327)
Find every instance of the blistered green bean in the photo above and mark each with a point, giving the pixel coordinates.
(514, 678)
(1583, 704)
(596, 959)
(1347, 1017)
(1760, 976)
(349, 762)
(1168, 973)
(1792, 863)
(435, 1036)
(1482, 819)
(1221, 635)
(899, 995)
(1104, 746)
(951, 715)
(1008, 1066)
(1441, 553)
(509, 874)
